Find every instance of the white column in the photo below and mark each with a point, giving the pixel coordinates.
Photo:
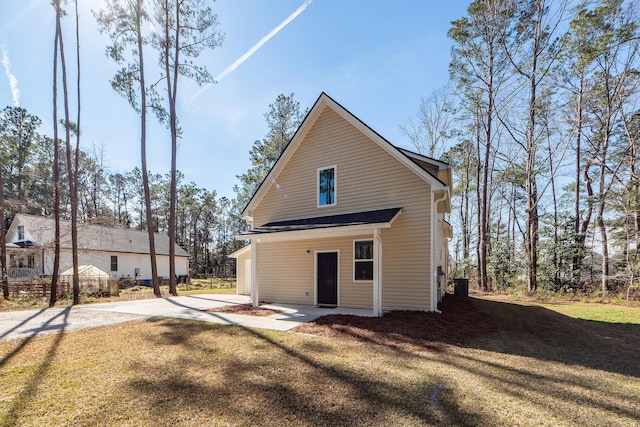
(254, 273)
(377, 273)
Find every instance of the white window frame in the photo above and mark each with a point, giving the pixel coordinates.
(21, 232)
(335, 186)
(362, 260)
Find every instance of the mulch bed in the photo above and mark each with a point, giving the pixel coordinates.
(459, 322)
(247, 309)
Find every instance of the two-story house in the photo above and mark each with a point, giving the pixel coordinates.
(344, 218)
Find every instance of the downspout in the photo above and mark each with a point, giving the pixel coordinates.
(434, 271)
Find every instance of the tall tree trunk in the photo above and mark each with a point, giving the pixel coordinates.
(484, 203)
(532, 186)
(479, 199)
(171, 93)
(3, 243)
(556, 224)
(72, 189)
(600, 215)
(56, 166)
(579, 233)
(143, 155)
(74, 212)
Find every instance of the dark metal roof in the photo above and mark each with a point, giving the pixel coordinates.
(380, 216)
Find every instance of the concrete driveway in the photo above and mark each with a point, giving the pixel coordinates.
(23, 324)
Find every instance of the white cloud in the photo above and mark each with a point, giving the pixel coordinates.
(255, 47)
(13, 82)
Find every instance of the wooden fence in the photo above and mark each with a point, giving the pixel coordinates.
(34, 289)
(40, 288)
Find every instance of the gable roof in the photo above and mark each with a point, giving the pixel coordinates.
(423, 167)
(92, 237)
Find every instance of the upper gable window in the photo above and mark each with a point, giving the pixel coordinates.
(327, 186)
(21, 232)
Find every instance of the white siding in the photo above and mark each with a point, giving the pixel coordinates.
(243, 273)
(127, 263)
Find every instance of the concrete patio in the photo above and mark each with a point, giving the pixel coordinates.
(24, 324)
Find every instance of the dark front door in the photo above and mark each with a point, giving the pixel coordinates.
(327, 278)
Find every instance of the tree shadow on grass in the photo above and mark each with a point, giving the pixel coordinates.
(275, 382)
(509, 328)
(478, 338)
(12, 416)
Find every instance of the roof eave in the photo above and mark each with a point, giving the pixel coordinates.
(316, 233)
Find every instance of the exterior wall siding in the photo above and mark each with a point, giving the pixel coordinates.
(243, 282)
(127, 263)
(287, 272)
(367, 178)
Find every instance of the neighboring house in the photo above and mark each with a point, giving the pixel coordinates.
(344, 218)
(120, 252)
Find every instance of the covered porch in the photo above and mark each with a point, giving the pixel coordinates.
(24, 264)
(330, 261)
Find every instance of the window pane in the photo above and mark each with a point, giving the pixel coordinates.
(114, 263)
(326, 190)
(364, 270)
(364, 250)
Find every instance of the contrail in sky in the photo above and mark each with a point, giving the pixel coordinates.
(257, 46)
(13, 82)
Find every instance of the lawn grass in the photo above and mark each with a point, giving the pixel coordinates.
(480, 362)
(598, 312)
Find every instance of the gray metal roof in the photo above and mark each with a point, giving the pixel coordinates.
(95, 237)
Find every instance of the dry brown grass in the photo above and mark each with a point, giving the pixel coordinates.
(479, 363)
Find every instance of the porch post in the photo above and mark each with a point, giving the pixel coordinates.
(377, 273)
(254, 273)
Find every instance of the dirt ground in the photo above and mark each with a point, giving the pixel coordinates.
(407, 330)
(247, 309)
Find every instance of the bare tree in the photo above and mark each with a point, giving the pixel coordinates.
(478, 65)
(433, 125)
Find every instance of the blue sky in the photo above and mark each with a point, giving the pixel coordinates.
(377, 58)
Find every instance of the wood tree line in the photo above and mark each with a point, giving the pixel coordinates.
(541, 122)
(172, 33)
(205, 227)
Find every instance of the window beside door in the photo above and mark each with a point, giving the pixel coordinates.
(363, 260)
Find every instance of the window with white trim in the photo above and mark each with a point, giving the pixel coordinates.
(363, 260)
(114, 263)
(21, 232)
(327, 186)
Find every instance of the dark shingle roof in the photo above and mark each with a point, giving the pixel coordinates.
(95, 237)
(380, 216)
